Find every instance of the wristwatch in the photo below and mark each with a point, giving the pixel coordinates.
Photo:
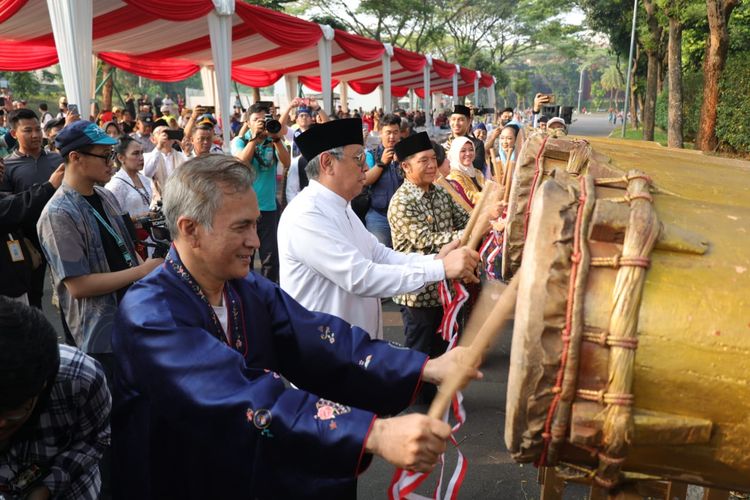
(380, 164)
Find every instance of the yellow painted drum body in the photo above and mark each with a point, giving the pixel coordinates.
(664, 389)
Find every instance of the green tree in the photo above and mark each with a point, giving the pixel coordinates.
(23, 84)
(611, 82)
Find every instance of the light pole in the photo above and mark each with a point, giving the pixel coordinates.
(580, 87)
(630, 68)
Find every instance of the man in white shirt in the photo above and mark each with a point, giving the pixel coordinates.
(161, 162)
(329, 262)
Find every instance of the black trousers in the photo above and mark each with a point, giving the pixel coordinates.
(420, 328)
(269, 249)
(37, 285)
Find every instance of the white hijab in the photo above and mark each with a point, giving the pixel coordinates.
(454, 156)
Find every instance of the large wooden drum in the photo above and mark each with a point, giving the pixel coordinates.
(631, 344)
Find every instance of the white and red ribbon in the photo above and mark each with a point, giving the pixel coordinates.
(404, 483)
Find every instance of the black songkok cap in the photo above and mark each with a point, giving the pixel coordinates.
(412, 145)
(460, 109)
(329, 135)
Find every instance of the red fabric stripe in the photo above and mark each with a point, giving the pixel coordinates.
(409, 60)
(8, 8)
(163, 70)
(359, 47)
(24, 56)
(202, 43)
(359, 469)
(184, 10)
(356, 69)
(397, 91)
(363, 88)
(444, 69)
(468, 75)
(119, 20)
(486, 80)
(269, 54)
(314, 83)
(282, 29)
(315, 64)
(254, 77)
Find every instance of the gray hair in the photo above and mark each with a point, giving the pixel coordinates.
(313, 166)
(196, 188)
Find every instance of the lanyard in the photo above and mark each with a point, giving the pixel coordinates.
(118, 239)
(144, 197)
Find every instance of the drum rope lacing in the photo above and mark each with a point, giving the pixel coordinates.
(628, 288)
(576, 259)
(539, 170)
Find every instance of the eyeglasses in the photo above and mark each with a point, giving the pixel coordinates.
(18, 415)
(358, 158)
(109, 158)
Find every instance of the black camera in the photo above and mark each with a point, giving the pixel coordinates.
(156, 225)
(272, 125)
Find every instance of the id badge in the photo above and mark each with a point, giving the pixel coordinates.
(16, 254)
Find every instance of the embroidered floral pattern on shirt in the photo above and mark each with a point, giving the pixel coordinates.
(365, 362)
(329, 410)
(327, 334)
(236, 332)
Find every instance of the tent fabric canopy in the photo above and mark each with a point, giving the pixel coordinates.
(168, 41)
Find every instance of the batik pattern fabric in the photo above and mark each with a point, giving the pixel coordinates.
(71, 242)
(422, 222)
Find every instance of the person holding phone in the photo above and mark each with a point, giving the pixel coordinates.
(162, 161)
(303, 120)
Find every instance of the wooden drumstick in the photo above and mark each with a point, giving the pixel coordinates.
(479, 208)
(508, 180)
(491, 327)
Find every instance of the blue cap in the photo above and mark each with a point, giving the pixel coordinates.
(480, 126)
(304, 109)
(81, 133)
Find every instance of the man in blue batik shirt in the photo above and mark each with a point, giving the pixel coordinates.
(200, 410)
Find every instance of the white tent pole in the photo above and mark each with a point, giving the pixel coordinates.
(324, 60)
(476, 89)
(492, 97)
(220, 32)
(387, 96)
(72, 22)
(455, 84)
(344, 93)
(427, 92)
(290, 88)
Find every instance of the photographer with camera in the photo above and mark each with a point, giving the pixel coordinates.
(261, 148)
(162, 161)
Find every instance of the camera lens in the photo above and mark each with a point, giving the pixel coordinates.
(273, 126)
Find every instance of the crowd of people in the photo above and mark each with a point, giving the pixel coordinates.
(226, 383)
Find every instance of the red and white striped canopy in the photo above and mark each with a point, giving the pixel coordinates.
(168, 40)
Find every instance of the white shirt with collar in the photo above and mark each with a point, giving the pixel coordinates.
(330, 263)
(170, 161)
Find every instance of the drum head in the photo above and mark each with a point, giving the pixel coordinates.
(539, 318)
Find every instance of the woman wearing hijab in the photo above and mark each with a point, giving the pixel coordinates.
(463, 174)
